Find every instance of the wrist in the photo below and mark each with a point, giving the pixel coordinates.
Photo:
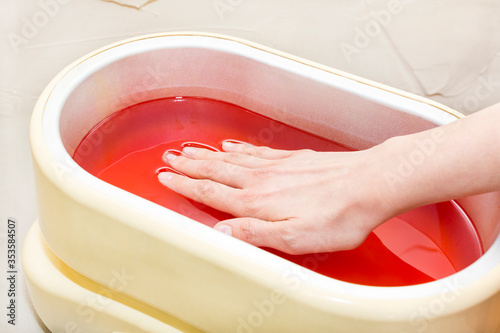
(397, 186)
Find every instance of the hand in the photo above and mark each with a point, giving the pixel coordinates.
(305, 201)
(294, 201)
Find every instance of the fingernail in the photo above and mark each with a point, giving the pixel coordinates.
(169, 156)
(227, 145)
(225, 229)
(165, 176)
(189, 150)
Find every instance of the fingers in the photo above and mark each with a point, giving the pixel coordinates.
(205, 191)
(243, 160)
(236, 155)
(229, 168)
(256, 232)
(289, 236)
(218, 171)
(248, 149)
(284, 236)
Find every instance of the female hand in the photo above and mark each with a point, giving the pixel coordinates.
(295, 201)
(305, 201)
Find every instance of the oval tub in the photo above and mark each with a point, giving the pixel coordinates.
(187, 273)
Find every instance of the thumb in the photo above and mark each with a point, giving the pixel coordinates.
(258, 232)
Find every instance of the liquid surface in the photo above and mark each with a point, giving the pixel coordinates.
(126, 150)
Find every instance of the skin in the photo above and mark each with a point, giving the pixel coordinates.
(305, 201)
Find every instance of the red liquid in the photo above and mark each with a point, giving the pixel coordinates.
(126, 150)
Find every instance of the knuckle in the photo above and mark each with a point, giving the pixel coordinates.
(204, 189)
(207, 168)
(262, 173)
(250, 150)
(231, 157)
(292, 242)
(248, 200)
(247, 231)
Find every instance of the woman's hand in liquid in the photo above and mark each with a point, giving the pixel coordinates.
(305, 201)
(295, 201)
